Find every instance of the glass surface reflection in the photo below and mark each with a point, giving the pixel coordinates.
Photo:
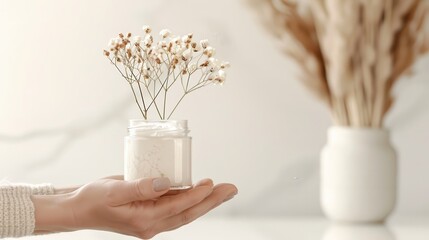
(343, 231)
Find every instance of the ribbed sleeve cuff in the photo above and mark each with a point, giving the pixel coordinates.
(17, 211)
(43, 189)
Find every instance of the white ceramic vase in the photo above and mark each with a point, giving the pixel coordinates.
(358, 175)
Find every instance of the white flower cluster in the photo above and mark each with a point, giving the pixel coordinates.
(156, 67)
(172, 53)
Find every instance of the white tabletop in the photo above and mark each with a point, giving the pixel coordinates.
(257, 228)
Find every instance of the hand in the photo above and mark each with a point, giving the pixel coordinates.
(138, 208)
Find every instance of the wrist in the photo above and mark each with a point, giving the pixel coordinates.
(64, 190)
(53, 213)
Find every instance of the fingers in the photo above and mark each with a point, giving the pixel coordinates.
(123, 192)
(220, 194)
(174, 204)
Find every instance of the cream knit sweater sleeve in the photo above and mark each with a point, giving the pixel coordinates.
(17, 209)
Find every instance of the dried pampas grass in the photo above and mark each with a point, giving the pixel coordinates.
(351, 52)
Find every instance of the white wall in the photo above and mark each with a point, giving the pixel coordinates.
(64, 109)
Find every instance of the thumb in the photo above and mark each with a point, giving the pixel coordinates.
(139, 190)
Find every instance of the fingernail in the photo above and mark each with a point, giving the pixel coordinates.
(231, 196)
(203, 182)
(161, 184)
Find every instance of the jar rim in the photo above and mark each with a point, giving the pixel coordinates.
(159, 120)
(158, 127)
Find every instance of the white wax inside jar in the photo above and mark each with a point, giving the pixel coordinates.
(159, 157)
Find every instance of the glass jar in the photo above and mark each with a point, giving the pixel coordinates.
(159, 149)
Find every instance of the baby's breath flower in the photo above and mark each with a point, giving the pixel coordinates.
(204, 43)
(204, 64)
(148, 40)
(225, 65)
(147, 29)
(187, 38)
(217, 77)
(221, 76)
(165, 33)
(195, 47)
(209, 51)
(176, 40)
(146, 69)
(213, 62)
(187, 54)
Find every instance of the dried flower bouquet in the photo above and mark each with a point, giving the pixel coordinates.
(351, 52)
(153, 69)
